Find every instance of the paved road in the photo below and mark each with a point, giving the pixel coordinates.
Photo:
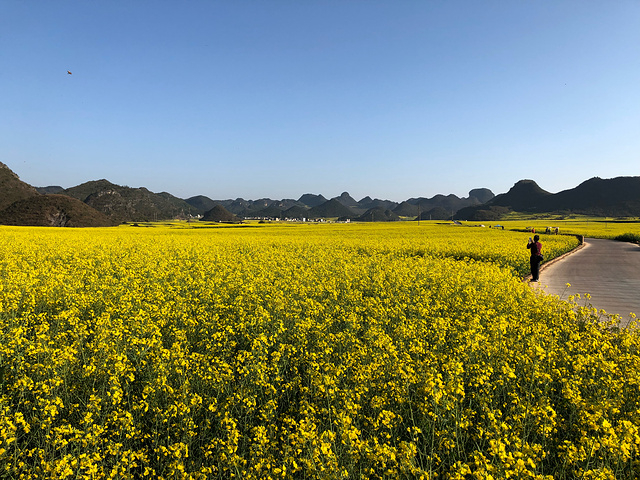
(606, 269)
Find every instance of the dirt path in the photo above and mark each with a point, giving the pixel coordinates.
(606, 269)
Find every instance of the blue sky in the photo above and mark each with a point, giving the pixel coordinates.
(252, 99)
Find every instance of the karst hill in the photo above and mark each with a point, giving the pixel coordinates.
(12, 188)
(23, 204)
(53, 211)
(614, 197)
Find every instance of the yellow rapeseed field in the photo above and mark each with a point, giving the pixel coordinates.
(304, 351)
(589, 227)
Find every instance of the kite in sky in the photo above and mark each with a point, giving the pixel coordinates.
(69, 72)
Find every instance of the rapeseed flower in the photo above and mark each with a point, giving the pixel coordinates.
(345, 351)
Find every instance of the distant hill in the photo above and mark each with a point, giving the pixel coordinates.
(437, 213)
(126, 204)
(407, 209)
(271, 211)
(12, 188)
(252, 208)
(438, 204)
(451, 202)
(178, 204)
(482, 194)
(82, 191)
(311, 200)
(219, 214)
(347, 200)
(367, 203)
(266, 207)
(296, 212)
(123, 203)
(482, 212)
(615, 197)
(53, 211)
(49, 190)
(378, 214)
(524, 196)
(260, 203)
(201, 203)
(286, 203)
(239, 206)
(331, 208)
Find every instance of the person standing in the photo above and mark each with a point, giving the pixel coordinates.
(536, 257)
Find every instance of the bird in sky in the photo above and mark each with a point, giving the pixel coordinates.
(69, 72)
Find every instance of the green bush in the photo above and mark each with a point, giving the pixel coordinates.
(629, 237)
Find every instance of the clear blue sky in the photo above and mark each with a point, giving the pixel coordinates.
(252, 99)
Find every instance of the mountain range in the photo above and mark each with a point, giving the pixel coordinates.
(613, 197)
(343, 206)
(100, 202)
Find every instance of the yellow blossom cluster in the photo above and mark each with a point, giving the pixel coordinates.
(612, 228)
(306, 351)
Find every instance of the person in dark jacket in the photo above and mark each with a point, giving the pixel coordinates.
(536, 257)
